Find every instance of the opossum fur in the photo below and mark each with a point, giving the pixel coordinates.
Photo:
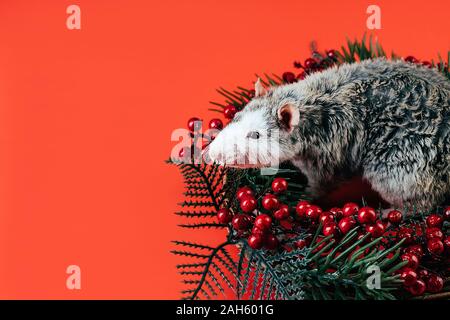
(388, 121)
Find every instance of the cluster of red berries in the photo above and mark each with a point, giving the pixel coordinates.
(214, 124)
(313, 64)
(412, 59)
(337, 222)
(257, 226)
(440, 66)
(417, 280)
(436, 242)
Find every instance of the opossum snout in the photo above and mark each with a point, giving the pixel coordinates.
(221, 157)
(214, 154)
(232, 157)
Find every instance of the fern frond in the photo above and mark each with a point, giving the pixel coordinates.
(190, 254)
(190, 265)
(192, 245)
(196, 214)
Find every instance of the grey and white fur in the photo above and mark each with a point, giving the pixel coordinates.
(388, 121)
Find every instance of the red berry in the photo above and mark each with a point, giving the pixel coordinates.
(330, 229)
(301, 207)
(288, 77)
(300, 244)
(313, 212)
(361, 235)
(310, 63)
(326, 217)
(301, 75)
(447, 242)
(435, 246)
(417, 288)
(297, 64)
(282, 213)
(279, 185)
(434, 233)
(346, 224)
(350, 209)
(434, 283)
(248, 204)
(367, 215)
(427, 64)
(258, 231)
(447, 214)
(413, 260)
(415, 250)
(229, 111)
(244, 192)
(216, 124)
(423, 274)
(405, 233)
(192, 124)
(263, 222)
(241, 222)
(255, 241)
(271, 242)
(376, 229)
(320, 246)
(434, 220)
(270, 202)
(411, 59)
(394, 217)
(205, 144)
(442, 66)
(409, 276)
(331, 54)
(337, 212)
(224, 215)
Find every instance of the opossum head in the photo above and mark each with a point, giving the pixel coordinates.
(259, 135)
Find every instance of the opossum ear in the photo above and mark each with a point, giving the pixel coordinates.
(289, 117)
(259, 88)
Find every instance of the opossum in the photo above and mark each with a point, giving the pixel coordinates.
(388, 121)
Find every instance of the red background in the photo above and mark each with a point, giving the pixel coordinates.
(86, 117)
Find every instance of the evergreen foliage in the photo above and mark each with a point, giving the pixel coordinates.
(325, 269)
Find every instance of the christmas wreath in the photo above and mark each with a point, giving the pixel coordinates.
(280, 245)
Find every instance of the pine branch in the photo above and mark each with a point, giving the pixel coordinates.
(202, 225)
(197, 214)
(208, 264)
(192, 245)
(329, 268)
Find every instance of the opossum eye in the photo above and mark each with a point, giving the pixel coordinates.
(253, 135)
